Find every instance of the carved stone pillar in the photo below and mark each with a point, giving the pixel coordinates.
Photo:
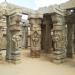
(1, 36)
(25, 35)
(8, 38)
(15, 37)
(46, 33)
(59, 38)
(35, 21)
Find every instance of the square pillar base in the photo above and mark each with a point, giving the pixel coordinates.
(15, 57)
(58, 61)
(16, 61)
(35, 53)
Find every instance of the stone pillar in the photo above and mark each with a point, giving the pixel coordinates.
(74, 39)
(46, 33)
(69, 41)
(35, 21)
(8, 38)
(25, 34)
(14, 29)
(58, 38)
(1, 36)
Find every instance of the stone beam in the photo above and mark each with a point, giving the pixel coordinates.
(68, 5)
(8, 8)
(52, 9)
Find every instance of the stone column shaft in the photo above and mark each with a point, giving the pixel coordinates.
(35, 36)
(46, 33)
(1, 36)
(25, 39)
(58, 38)
(8, 33)
(74, 38)
(13, 28)
(69, 41)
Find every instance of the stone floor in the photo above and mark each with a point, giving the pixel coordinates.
(37, 66)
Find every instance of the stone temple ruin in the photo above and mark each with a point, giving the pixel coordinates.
(51, 30)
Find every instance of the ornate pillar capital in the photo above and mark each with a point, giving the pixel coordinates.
(36, 15)
(35, 18)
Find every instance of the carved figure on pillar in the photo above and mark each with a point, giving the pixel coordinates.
(16, 38)
(36, 38)
(16, 44)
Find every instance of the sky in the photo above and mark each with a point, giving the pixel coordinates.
(34, 4)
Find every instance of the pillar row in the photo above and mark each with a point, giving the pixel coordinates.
(35, 22)
(59, 38)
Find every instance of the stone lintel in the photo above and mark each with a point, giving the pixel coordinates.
(55, 13)
(35, 19)
(35, 16)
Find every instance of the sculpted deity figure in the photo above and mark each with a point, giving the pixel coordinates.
(16, 39)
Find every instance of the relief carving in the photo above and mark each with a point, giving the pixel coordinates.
(16, 38)
(57, 38)
(35, 38)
